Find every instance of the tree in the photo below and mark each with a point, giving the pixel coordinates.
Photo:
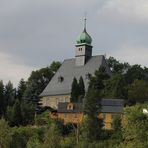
(138, 92)
(135, 127)
(21, 89)
(55, 66)
(39, 79)
(1, 98)
(92, 105)
(34, 142)
(74, 91)
(81, 88)
(9, 95)
(27, 112)
(14, 114)
(5, 137)
(135, 72)
(117, 67)
(52, 137)
(116, 87)
(92, 108)
(116, 124)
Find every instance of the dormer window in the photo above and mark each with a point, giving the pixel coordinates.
(60, 79)
(88, 76)
(70, 106)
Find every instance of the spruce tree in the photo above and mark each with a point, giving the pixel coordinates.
(9, 95)
(92, 105)
(1, 98)
(74, 91)
(21, 89)
(16, 114)
(81, 88)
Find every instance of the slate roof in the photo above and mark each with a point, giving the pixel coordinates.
(62, 107)
(108, 106)
(68, 71)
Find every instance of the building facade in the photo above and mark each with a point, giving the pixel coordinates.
(73, 112)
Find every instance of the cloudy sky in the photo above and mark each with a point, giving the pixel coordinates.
(33, 33)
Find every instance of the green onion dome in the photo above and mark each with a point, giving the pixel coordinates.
(84, 38)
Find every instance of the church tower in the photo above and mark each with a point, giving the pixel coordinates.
(83, 48)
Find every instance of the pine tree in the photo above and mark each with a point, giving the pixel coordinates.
(92, 104)
(21, 89)
(16, 114)
(81, 88)
(74, 91)
(9, 95)
(1, 98)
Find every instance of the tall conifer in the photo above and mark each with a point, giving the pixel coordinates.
(74, 91)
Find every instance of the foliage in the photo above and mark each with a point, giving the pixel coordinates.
(68, 142)
(9, 94)
(135, 72)
(81, 88)
(116, 87)
(77, 90)
(138, 92)
(135, 127)
(52, 137)
(34, 142)
(92, 105)
(22, 136)
(42, 119)
(39, 79)
(21, 113)
(116, 124)
(16, 115)
(1, 98)
(74, 90)
(21, 89)
(5, 136)
(117, 67)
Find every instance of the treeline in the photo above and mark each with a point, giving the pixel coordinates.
(18, 105)
(127, 82)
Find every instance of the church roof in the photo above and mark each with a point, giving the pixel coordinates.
(61, 82)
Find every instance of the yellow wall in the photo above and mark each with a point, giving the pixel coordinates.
(71, 117)
(78, 117)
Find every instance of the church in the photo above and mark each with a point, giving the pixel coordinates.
(84, 64)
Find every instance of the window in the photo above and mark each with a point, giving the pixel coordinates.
(88, 76)
(80, 49)
(60, 79)
(70, 106)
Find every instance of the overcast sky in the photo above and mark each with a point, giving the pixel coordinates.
(33, 33)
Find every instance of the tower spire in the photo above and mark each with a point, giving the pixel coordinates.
(85, 21)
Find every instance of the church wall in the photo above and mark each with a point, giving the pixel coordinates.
(52, 101)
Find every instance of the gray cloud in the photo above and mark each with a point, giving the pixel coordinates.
(37, 32)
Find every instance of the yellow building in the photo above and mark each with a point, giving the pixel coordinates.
(73, 112)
